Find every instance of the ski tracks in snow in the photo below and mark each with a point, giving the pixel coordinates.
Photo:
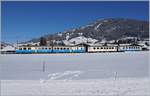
(66, 75)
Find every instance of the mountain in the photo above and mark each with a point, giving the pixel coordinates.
(103, 30)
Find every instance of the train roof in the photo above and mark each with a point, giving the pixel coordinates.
(51, 46)
(102, 44)
(129, 45)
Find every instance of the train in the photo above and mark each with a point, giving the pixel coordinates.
(82, 48)
(50, 49)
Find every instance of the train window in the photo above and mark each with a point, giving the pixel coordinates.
(61, 48)
(67, 48)
(24, 48)
(101, 47)
(20, 48)
(94, 48)
(42, 48)
(57, 48)
(49, 48)
(112, 47)
(29, 48)
(97, 47)
(64, 48)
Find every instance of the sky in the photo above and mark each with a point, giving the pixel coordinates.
(25, 20)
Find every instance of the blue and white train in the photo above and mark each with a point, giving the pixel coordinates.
(50, 49)
(77, 49)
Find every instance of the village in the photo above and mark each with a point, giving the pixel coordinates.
(44, 47)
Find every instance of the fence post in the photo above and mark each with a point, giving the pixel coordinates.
(115, 75)
(43, 66)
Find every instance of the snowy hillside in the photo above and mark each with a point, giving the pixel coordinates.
(104, 29)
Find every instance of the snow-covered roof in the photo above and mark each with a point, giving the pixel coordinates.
(104, 45)
(8, 48)
(130, 45)
(82, 39)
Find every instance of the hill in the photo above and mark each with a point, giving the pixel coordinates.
(102, 30)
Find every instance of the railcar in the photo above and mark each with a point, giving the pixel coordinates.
(24, 49)
(102, 48)
(130, 47)
(61, 49)
(43, 49)
(78, 49)
(49, 49)
(33, 49)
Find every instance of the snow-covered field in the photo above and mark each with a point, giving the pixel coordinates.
(102, 87)
(115, 74)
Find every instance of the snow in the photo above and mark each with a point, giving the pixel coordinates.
(93, 65)
(80, 34)
(66, 42)
(107, 87)
(28, 43)
(119, 74)
(73, 30)
(90, 25)
(96, 28)
(8, 48)
(111, 41)
(83, 27)
(103, 41)
(105, 21)
(82, 39)
(71, 74)
(67, 36)
(78, 40)
(125, 38)
(60, 34)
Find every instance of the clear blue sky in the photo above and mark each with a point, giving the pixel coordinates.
(23, 21)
